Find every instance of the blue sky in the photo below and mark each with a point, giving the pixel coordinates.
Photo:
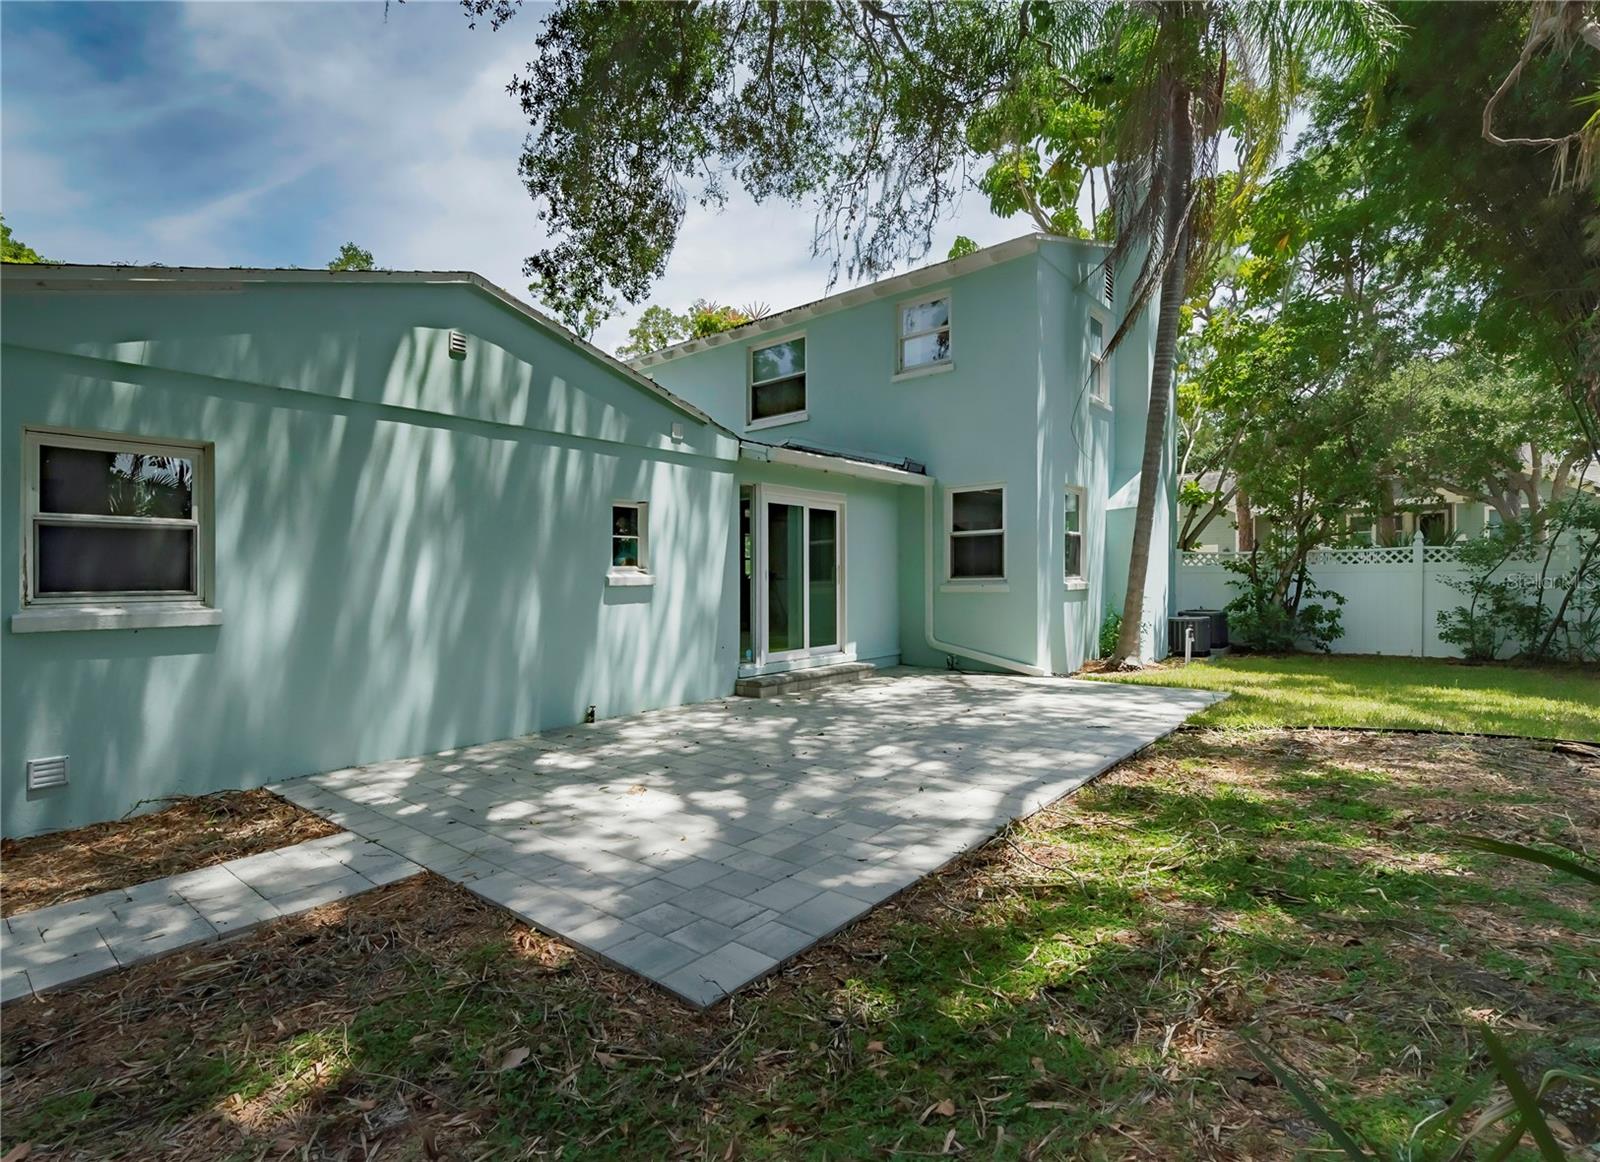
(268, 133)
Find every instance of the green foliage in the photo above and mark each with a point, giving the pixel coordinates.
(962, 247)
(12, 250)
(352, 257)
(1279, 607)
(1110, 630)
(712, 318)
(656, 327)
(659, 326)
(580, 316)
(1480, 425)
(1547, 612)
(1482, 242)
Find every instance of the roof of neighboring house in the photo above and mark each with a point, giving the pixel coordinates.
(67, 276)
(897, 284)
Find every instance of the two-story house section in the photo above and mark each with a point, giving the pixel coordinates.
(978, 450)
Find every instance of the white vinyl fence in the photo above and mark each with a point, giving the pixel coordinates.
(1392, 595)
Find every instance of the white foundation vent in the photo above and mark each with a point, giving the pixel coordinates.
(458, 345)
(46, 773)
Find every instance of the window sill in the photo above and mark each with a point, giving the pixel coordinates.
(919, 372)
(1076, 584)
(629, 577)
(776, 421)
(998, 585)
(85, 617)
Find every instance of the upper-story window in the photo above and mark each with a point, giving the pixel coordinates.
(924, 333)
(114, 519)
(778, 381)
(1099, 362)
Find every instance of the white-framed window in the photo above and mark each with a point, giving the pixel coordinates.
(1072, 533)
(114, 521)
(977, 533)
(923, 334)
(1099, 362)
(778, 382)
(630, 536)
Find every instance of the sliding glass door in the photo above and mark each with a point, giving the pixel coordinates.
(801, 576)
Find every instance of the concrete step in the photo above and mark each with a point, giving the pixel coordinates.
(800, 681)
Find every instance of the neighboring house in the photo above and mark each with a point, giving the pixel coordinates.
(989, 373)
(271, 522)
(1441, 517)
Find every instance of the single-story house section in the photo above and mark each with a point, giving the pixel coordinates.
(264, 523)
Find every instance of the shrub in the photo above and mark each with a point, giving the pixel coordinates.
(1551, 614)
(1272, 612)
(1110, 630)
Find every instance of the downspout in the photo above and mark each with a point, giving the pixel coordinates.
(995, 660)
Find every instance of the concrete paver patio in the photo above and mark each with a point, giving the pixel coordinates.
(704, 845)
(65, 943)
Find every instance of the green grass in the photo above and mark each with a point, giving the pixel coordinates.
(1070, 993)
(1389, 693)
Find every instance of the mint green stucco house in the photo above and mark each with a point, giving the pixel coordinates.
(265, 523)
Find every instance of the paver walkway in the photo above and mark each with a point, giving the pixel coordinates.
(71, 942)
(704, 845)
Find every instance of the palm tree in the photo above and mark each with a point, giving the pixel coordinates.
(1186, 66)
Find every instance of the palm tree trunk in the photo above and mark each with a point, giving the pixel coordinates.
(1178, 166)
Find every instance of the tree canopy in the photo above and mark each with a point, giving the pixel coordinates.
(14, 250)
(352, 257)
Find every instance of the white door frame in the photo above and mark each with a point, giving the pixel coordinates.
(766, 659)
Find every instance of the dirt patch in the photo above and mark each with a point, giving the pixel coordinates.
(191, 833)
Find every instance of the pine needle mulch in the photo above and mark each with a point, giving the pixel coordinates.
(1074, 989)
(190, 833)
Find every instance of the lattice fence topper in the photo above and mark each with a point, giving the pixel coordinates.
(1380, 555)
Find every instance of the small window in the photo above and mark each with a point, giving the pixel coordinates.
(925, 333)
(977, 534)
(778, 381)
(1073, 534)
(114, 519)
(628, 536)
(1099, 364)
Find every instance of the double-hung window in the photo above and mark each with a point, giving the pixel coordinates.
(1099, 362)
(778, 381)
(978, 534)
(924, 339)
(1072, 534)
(113, 521)
(628, 536)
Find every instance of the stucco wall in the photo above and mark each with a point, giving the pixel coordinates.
(975, 424)
(872, 556)
(411, 551)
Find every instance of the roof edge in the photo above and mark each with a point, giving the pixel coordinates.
(133, 278)
(840, 300)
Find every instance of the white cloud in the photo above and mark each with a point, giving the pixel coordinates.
(395, 133)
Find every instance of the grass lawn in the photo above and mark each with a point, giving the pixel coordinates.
(1415, 693)
(1074, 990)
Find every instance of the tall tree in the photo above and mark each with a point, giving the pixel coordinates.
(868, 110)
(351, 257)
(1493, 247)
(1198, 66)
